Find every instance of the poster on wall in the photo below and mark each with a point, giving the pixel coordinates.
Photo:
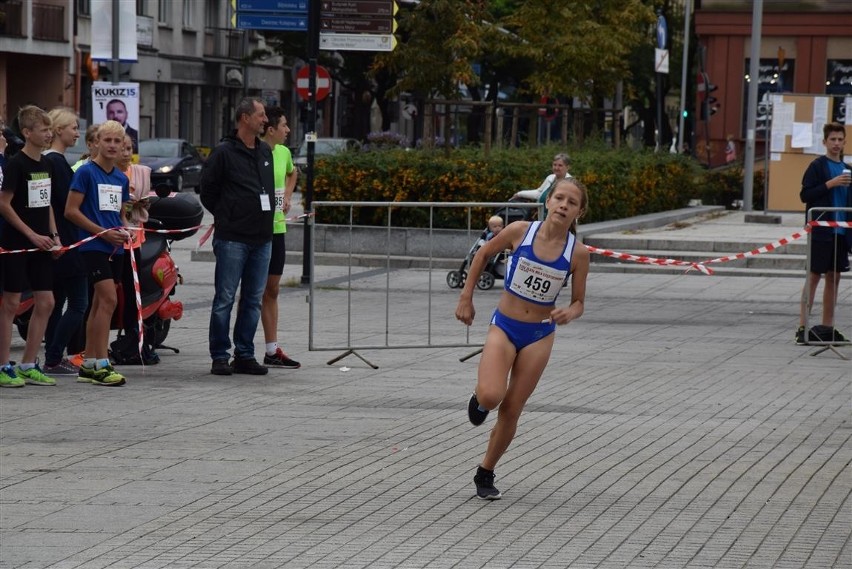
(772, 78)
(118, 102)
(102, 32)
(838, 84)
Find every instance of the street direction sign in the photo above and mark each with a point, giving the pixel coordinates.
(358, 8)
(358, 25)
(357, 42)
(294, 7)
(278, 22)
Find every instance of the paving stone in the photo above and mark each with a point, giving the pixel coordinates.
(676, 426)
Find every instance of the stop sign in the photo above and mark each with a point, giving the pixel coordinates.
(303, 80)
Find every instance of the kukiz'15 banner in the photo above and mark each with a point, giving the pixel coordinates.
(117, 102)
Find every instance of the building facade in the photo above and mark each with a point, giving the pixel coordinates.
(190, 67)
(805, 48)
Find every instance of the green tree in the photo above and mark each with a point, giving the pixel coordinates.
(441, 39)
(641, 92)
(578, 48)
(440, 42)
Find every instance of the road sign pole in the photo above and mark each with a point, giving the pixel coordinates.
(116, 44)
(313, 52)
(662, 42)
(684, 74)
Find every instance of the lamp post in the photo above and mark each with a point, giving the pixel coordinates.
(751, 121)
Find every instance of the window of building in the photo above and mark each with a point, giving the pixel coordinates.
(140, 7)
(211, 14)
(185, 125)
(188, 9)
(208, 136)
(84, 7)
(164, 111)
(163, 7)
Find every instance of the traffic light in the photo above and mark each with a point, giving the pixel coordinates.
(710, 105)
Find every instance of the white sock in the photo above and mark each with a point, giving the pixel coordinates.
(271, 348)
(25, 367)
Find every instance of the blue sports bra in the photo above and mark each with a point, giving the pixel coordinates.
(533, 279)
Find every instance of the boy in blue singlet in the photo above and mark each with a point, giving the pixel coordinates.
(520, 338)
(96, 204)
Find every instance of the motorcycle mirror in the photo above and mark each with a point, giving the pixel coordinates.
(163, 189)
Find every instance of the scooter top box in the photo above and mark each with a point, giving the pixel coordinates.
(177, 211)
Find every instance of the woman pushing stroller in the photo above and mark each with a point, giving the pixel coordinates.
(521, 335)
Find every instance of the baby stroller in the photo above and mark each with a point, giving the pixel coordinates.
(494, 269)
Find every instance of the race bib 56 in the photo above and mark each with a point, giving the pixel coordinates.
(38, 193)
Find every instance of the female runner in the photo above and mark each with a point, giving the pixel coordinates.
(521, 334)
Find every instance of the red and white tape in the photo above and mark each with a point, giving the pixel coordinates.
(201, 241)
(700, 265)
(137, 292)
(648, 260)
(133, 265)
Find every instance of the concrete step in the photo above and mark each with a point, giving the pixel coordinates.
(718, 270)
(689, 234)
(600, 264)
(762, 261)
(623, 242)
(358, 260)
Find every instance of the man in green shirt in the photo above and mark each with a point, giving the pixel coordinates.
(275, 133)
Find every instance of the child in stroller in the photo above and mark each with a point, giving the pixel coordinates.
(494, 269)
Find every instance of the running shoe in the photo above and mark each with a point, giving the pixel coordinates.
(8, 377)
(839, 337)
(800, 336)
(280, 359)
(476, 416)
(64, 367)
(34, 376)
(484, 480)
(77, 359)
(105, 376)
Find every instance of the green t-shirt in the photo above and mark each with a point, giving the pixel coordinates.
(282, 162)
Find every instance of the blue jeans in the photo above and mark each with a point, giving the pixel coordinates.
(62, 326)
(237, 265)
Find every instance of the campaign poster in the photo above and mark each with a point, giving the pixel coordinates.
(102, 30)
(118, 102)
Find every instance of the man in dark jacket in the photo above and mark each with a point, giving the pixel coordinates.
(826, 184)
(238, 188)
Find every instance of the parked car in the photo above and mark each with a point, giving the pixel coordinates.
(323, 147)
(73, 153)
(173, 161)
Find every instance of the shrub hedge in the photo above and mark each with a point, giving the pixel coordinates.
(621, 183)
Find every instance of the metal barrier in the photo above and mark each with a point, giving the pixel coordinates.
(814, 214)
(399, 330)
